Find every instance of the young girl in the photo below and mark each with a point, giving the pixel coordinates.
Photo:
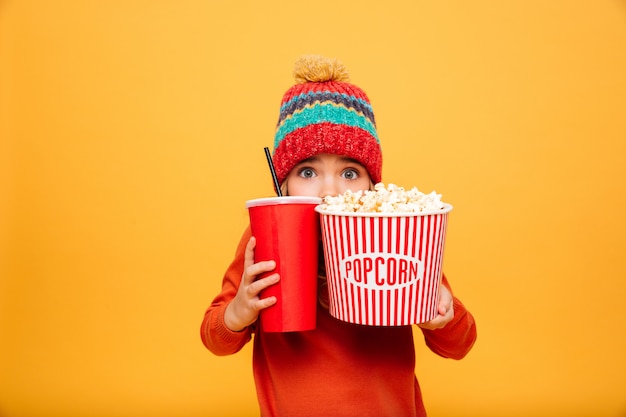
(326, 143)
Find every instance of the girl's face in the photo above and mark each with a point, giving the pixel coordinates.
(327, 174)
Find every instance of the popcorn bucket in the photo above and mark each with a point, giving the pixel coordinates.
(384, 269)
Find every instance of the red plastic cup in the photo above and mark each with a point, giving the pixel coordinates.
(384, 269)
(287, 231)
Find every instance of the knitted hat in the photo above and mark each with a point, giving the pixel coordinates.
(324, 113)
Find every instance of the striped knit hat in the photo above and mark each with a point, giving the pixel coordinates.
(324, 113)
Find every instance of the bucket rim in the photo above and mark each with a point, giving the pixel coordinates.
(446, 209)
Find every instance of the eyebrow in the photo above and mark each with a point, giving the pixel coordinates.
(347, 159)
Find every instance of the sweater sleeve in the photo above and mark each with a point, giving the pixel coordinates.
(456, 339)
(218, 338)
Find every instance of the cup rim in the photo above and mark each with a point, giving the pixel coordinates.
(286, 199)
(446, 208)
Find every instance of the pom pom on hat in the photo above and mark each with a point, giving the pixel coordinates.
(324, 113)
(318, 69)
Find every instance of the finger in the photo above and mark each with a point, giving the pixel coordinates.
(445, 300)
(442, 319)
(252, 271)
(249, 253)
(447, 306)
(264, 303)
(451, 308)
(259, 285)
(433, 324)
(444, 307)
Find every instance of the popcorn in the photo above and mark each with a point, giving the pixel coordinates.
(390, 199)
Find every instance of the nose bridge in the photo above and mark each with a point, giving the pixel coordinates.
(329, 186)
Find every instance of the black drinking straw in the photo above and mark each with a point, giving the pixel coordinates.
(273, 171)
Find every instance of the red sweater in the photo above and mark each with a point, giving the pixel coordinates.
(338, 369)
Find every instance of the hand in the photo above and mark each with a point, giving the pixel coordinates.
(244, 309)
(445, 309)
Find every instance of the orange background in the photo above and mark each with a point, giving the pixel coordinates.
(132, 132)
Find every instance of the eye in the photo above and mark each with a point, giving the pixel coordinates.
(350, 174)
(306, 173)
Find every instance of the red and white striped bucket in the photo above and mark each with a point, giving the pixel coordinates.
(384, 269)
